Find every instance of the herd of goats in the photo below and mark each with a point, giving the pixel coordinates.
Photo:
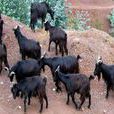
(26, 73)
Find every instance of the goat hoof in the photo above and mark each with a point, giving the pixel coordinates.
(78, 108)
(89, 107)
(49, 50)
(40, 111)
(106, 97)
(58, 91)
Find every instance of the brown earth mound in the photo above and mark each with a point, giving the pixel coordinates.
(89, 44)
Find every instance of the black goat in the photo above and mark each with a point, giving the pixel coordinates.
(58, 36)
(28, 47)
(107, 72)
(3, 56)
(25, 68)
(69, 64)
(78, 83)
(39, 10)
(29, 87)
(1, 28)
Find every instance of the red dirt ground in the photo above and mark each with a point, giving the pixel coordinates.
(89, 44)
(98, 11)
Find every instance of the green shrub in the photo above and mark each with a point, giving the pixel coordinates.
(20, 10)
(17, 9)
(80, 21)
(111, 18)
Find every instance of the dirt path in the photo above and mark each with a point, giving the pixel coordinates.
(92, 7)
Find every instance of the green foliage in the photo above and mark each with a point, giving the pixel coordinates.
(60, 17)
(80, 21)
(111, 18)
(20, 10)
(17, 9)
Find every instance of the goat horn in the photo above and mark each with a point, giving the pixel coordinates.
(45, 20)
(44, 55)
(15, 27)
(40, 45)
(12, 73)
(99, 60)
(6, 68)
(57, 69)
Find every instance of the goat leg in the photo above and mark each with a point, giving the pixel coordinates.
(65, 48)
(62, 50)
(49, 45)
(23, 57)
(25, 100)
(73, 100)
(0, 65)
(41, 104)
(107, 93)
(89, 96)
(28, 100)
(68, 95)
(6, 62)
(56, 50)
(82, 98)
(58, 87)
(46, 99)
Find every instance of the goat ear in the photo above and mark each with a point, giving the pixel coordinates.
(13, 29)
(91, 77)
(18, 27)
(12, 73)
(79, 57)
(7, 69)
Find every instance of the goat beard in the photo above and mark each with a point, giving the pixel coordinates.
(99, 76)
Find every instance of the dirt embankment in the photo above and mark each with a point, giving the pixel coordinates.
(89, 44)
(98, 11)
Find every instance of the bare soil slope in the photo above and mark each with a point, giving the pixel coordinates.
(92, 2)
(89, 44)
(98, 11)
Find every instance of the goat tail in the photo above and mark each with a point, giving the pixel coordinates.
(38, 43)
(91, 77)
(4, 46)
(66, 38)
